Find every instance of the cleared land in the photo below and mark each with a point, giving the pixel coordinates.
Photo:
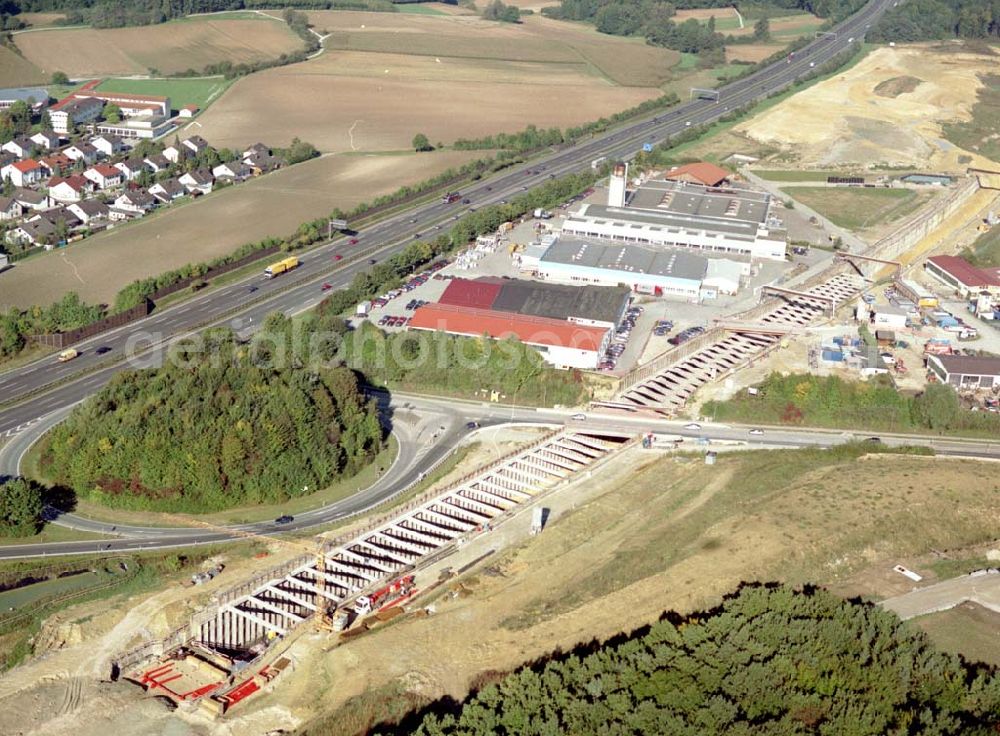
(703, 14)
(199, 91)
(387, 76)
(856, 208)
(841, 121)
(199, 230)
(168, 47)
(16, 71)
(967, 629)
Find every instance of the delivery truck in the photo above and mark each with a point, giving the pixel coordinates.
(282, 266)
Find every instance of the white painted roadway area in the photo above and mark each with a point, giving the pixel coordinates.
(983, 589)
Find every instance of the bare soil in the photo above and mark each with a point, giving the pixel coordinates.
(753, 52)
(274, 204)
(897, 86)
(168, 47)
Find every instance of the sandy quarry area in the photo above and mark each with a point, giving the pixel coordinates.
(841, 121)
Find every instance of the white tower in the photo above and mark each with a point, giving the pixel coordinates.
(616, 188)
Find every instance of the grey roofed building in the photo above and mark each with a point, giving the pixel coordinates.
(733, 204)
(30, 197)
(10, 95)
(966, 371)
(603, 304)
(90, 208)
(627, 258)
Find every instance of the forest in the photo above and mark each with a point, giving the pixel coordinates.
(929, 20)
(221, 424)
(769, 659)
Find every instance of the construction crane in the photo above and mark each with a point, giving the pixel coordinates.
(323, 619)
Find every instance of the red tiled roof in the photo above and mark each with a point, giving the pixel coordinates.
(530, 330)
(477, 293)
(75, 181)
(706, 173)
(106, 170)
(964, 272)
(25, 166)
(192, 108)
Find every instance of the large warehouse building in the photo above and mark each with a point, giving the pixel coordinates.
(571, 327)
(966, 371)
(679, 214)
(673, 273)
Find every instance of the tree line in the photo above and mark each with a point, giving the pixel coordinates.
(222, 425)
(923, 20)
(833, 402)
(769, 659)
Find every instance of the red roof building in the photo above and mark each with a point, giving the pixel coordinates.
(562, 343)
(701, 172)
(961, 275)
(478, 293)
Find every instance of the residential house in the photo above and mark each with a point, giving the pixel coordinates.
(256, 148)
(135, 202)
(23, 173)
(56, 164)
(10, 209)
(188, 111)
(174, 154)
(262, 163)
(37, 232)
(46, 139)
(131, 168)
(71, 188)
(20, 146)
(199, 180)
(91, 209)
(6, 157)
(105, 176)
(82, 152)
(234, 170)
(157, 162)
(68, 113)
(29, 199)
(108, 144)
(168, 190)
(56, 216)
(195, 144)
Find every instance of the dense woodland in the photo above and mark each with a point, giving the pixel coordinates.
(768, 660)
(921, 20)
(222, 426)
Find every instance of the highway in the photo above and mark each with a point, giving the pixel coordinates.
(51, 385)
(38, 395)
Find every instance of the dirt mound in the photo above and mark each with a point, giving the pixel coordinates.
(897, 86)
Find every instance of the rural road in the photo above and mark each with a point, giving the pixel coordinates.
(982, 589)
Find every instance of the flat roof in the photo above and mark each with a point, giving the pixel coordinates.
(626, 258)
(529, 330)
(664, 221)
(562, 301)
(39, 94)
(479, 293)
(727, 203)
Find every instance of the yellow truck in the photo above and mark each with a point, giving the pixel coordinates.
(285, 264)
(68, 354)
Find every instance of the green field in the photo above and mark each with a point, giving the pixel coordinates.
(855, 208)
(968, 629)
(18, 598)
(985, 252)
(198, 91)
(772, 175)
(418, 9)
(980, 133)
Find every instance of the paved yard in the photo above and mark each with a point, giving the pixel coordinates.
(981, 589)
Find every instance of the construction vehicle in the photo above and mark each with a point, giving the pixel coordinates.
(396, 592)
(282, 266)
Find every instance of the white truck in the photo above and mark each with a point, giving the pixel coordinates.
(363, 309)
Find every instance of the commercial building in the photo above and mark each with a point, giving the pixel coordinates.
(890, 317)
(966, 371)
(677, 214)
(37, 97)
(701, 172)
(962, 276)
(145, 116)
(674, 273)
(561, 343)
(72, 111)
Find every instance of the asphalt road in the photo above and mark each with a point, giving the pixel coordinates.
(51, 385)
(40, 394)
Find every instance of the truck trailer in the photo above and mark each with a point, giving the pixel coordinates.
(282, 266)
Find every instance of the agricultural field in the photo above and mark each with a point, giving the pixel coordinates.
(751, 52)
(857, 209)
(199, 91)
(385, 77)
(844, 122)
(16, 71)
(275, 204)
(967, 629)
(166, 48)
(40, 20)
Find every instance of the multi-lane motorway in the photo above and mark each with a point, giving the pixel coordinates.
(37, 395)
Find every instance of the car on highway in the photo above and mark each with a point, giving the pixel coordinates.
(687, 124)
(692, 425)
(489, 189)
(251, 289)
(874, 440)
(466, 200)
(284, 519)
(579, 417)
(338, 257)
(103, 350)
(353, 241)
(326, 286)
(472, 425)
(372, 261)
(413, 219)
(756, 431)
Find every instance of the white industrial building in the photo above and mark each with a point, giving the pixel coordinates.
(678, 214)
(675, 273)
(889, 317)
